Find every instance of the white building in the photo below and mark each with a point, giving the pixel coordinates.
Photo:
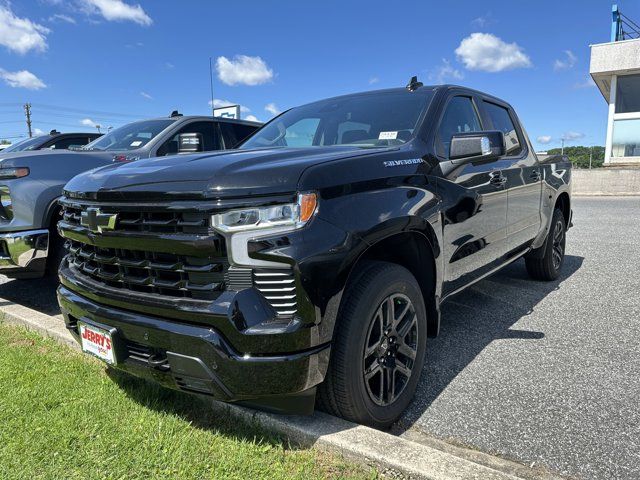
(615, 68)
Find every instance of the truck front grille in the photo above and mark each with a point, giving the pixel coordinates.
(150, 272)
(151, 221)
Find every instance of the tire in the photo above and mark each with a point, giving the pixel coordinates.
(546, 265)
(346, 392)
(56, 253)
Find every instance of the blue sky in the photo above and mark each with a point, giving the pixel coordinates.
(110, 61)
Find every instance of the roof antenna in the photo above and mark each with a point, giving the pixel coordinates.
(414, 84)
(54, 132)
(175, 113)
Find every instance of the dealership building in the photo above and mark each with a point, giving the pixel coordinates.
(615, 68)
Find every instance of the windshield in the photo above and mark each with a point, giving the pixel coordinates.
(26, 144)
(129, 137)
(369, 120)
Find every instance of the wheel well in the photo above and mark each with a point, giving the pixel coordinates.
(413, 251)
(564, 204)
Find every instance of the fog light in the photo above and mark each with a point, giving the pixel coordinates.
(6, 211)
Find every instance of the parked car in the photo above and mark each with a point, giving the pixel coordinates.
(31, 182)
(310, 263)
(53, 141)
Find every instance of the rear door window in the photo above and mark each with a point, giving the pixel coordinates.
(234, 133)
(208, 131)
(501, 120)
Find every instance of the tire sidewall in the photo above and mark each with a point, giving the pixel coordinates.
(379, 289)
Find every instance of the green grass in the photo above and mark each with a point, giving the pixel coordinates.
(62, 416)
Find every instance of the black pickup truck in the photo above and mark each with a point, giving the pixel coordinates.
(310, 263)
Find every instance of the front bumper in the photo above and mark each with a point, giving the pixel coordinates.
(24, 254)
(199, 359)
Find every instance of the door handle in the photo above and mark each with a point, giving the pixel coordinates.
(497, 179)
(535, 175)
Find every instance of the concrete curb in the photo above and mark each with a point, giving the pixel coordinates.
(392, 455)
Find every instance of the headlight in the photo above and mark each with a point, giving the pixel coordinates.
(294, 215)
(17, 172)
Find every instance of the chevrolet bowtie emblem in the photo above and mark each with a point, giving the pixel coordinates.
(96, 221)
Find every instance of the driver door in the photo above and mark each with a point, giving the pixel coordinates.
(475, 208)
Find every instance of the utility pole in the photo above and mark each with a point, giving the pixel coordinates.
(590, 156)
(562, 151)
(27, 112)
(213, 108)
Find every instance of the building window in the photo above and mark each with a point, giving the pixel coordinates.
(626, 138)
(628, 94)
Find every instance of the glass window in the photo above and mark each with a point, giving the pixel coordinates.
(65, 143)
(363, 120)
(459, 117)
(502, 121)
(234, 133)
(27, 144)
(129, 137)
(207, 130)
(628, 94)
(626, 138)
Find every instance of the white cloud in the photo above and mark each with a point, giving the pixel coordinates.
(146, 95)
(488, 53)
(21, 34)
(587, 83)
(445, 72)
(272, 108)
(251, 118)
(570, 136)
(59, 17)
(22, 79)
(483, 20)
(544, 139)
(87, 122)
(169, 65)
(566, 63)
(219, 103)
(243, 70)
(117, 10)
(37, 131)
(373, 80)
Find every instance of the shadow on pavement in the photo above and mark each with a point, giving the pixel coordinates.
(38, 294)
(472, 320)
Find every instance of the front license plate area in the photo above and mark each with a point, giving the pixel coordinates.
(97, 342)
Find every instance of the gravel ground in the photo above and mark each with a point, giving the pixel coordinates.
(547, 373)
(542, 373)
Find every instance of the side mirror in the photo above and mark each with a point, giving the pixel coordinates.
(189, 143)
(476, 146)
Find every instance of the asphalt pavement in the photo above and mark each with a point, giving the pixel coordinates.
(546, 374)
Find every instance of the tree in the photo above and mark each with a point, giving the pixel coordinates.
(579, 155)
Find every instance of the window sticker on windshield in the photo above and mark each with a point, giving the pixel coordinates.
(388, 135)
(137, 143)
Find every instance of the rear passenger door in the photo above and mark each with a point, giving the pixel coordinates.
(474, 239)
(523, 174)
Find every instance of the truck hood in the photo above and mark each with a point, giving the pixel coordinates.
(230, 174)
(36, 157)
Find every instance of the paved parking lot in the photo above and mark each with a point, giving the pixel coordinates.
(542, 373)
(547, 373)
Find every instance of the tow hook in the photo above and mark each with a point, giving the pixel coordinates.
(158, 362)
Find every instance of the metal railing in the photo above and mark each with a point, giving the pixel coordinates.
(622, 27)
